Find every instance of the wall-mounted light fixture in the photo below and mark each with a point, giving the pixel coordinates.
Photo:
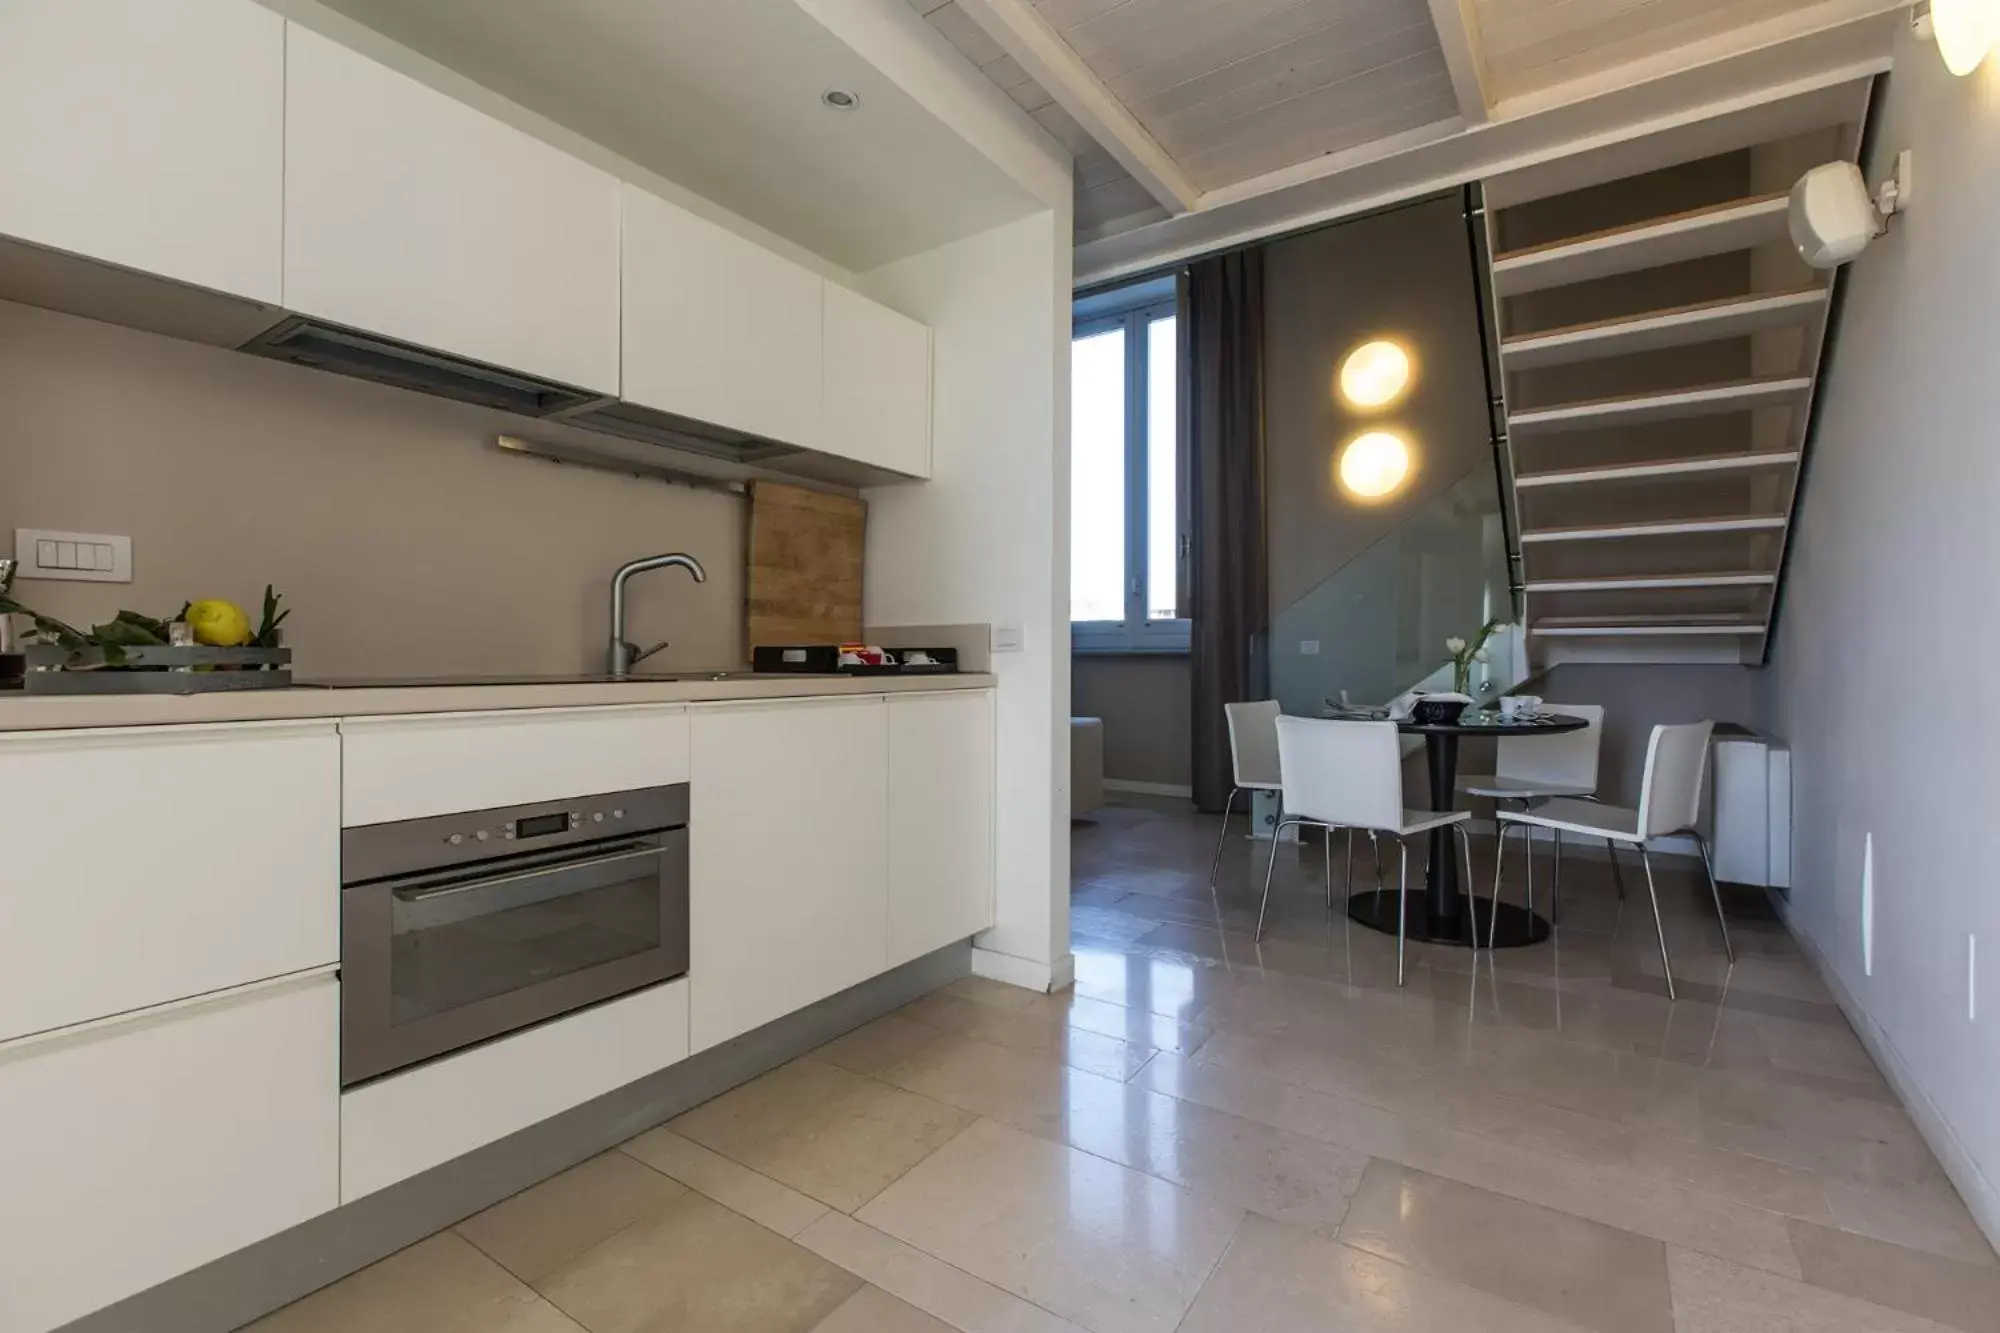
(1376, 374)
(1964, 30)
(1375, 465)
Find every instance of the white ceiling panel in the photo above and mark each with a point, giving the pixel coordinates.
(723, 99)
(1234, 88)
(1107, 197)
(1531, 45)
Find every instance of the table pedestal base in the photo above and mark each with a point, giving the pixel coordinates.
(1518, 929)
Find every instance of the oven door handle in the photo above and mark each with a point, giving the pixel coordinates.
(496, 881)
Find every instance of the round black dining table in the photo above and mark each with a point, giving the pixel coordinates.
(1445, 913)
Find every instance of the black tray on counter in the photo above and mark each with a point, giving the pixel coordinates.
(823, 659)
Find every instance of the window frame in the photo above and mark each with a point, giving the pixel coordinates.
(1136, 632)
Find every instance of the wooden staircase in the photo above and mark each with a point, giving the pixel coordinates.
(1660, 345)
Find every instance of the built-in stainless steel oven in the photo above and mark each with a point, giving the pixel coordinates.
(458, 928)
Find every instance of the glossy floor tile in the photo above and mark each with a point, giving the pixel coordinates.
(826, 1132)
(1211, 1133)
(1112, 1249)
(439, 1285)
(1278, 1279)
(696, 1264)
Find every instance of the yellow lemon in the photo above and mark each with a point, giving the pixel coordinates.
(218, 624)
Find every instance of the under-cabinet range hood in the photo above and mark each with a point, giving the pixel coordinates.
(322, 346)
(366, 356)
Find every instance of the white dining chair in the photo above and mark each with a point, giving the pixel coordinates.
(1253, 761)
(1669, 802)
(1532, 768)
(1350, 775)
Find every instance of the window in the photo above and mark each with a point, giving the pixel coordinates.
(1126, 545)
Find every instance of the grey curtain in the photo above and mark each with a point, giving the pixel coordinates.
(1222, 444)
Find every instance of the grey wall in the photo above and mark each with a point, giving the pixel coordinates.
(1414, 569)
(1147, 712)
(405, 543)
(1638, 698)
(1882, 678)
(1405, 274)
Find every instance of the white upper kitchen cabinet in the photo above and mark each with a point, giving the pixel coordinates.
(134, 1151)
(147, 135)
(414, 216)
(788, 858)
(878, 384)
(717, 328)
(940, 820)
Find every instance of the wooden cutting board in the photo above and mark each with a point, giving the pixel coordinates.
(805, 566)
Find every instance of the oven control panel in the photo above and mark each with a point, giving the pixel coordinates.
(475, 835)
(532, 828)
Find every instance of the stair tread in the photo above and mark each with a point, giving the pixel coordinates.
(1756, 388)
(1659, 527)
(1716, 229)
(1664, 467)
(1652, 330)
(1748, 578)
(1607, 627)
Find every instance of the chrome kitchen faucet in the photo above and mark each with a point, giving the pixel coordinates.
(625, 655)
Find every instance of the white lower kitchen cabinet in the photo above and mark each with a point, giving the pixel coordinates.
(789, 855)
(133, 1151)
(150, 864)
(940, 820)
(414, 766)
(406, 1123)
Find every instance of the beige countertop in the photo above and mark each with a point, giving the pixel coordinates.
(20, 712)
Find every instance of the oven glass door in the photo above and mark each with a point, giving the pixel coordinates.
(440, 960)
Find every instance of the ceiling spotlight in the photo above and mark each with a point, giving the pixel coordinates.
(1375, 374)
(841, 99)
(1375, 465)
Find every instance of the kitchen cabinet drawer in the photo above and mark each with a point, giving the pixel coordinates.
(398, 1126)
(717, 328)
(409, 767)
(940, 820)
(788, 851)
(140, 1149)
(147, 135)
(146, 865)
(877, 404)
(413, 215)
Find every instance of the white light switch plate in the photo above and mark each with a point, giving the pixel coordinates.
(1006, 638)
(1308, 647)
(88, 557)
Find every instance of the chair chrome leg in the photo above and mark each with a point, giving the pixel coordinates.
(1215, 866)
(1270, 868)
(1350, 865)
(1499, 860)
(1327, 832)
(1715, 892)
(1471, 903)
(1556, 879)
(1375, 846)
(1402, 908)
(1666, 963)
(1617, 874)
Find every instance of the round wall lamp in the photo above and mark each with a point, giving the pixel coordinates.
(1374, 466)
(1375, 374)
(1965, 30)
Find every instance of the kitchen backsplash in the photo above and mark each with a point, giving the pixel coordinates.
(405, 542)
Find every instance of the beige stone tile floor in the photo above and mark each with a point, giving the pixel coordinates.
(1212, 1134)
